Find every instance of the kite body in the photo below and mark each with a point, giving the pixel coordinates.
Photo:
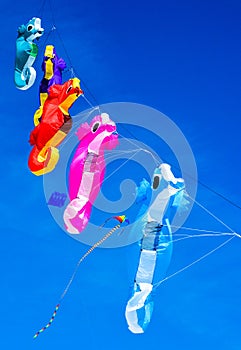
(54, 126)
(26, 52)
(87, 170)
(156, 243)
(52, 67)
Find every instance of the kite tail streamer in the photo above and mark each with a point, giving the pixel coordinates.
(121, 219)
(50, 322)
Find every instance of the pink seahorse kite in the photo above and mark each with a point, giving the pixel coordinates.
(87, 170)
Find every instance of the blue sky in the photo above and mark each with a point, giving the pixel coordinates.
(183, 59)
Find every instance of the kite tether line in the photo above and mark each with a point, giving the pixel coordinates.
(121, 219)
(232, 233)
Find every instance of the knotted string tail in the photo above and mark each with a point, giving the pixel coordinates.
(97, 244)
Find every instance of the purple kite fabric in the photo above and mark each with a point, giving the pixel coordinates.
(52, 67)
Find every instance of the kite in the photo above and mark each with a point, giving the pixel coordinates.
(55, 124)
(26, 53)
(160, 203)
(52, 67)
(87, 170)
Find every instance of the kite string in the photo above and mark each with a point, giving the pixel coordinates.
(89, 103)
(184, 236)
(71, 69)
(187, 236)
(74, 123)
(139, 149)
(208, 233)
(214, 216)
(136, 151)
(41, 9)
(197, 229)
(154, 157)
(234, 234)
(156, 285)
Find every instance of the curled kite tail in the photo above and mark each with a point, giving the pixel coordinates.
(24, 80)
(44, 161)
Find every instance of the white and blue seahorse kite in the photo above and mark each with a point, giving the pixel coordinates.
(154, 221)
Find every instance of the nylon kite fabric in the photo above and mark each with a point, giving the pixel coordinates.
(156, 243)
(52, 67)
(87, 170)
(26, 53)
(55, 124)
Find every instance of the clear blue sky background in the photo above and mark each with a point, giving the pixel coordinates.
(182, 58)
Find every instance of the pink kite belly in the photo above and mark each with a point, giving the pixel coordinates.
(83, 191)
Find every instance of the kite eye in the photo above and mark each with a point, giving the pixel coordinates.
(69, 88)
(156, 182)
(30, 27)
(95, 127)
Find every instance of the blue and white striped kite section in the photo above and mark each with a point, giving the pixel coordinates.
(156, 243)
